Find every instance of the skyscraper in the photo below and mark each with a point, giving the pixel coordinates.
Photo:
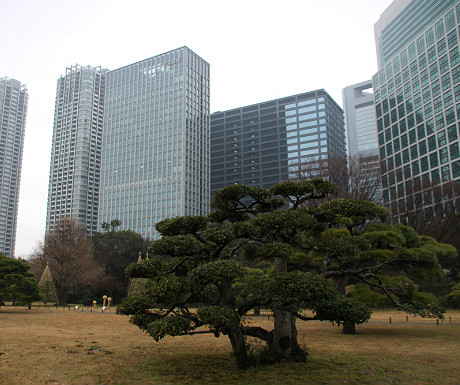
(360, 122)
(13, 111)
(266, 143)
(155, 161)
(76, 147)
(362, 140)
(417, 90)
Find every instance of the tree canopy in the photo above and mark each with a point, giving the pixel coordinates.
(69, 253)
(17, 284)
(270, 248)
(114, 251)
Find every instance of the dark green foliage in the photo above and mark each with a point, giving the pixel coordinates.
(17, 284)
(114, 251)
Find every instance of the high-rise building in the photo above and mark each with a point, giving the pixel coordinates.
(155, 161)
(417, 90)
(362, 140)
(13, 111)
(73, 189)
(266, 143)
(360, 122)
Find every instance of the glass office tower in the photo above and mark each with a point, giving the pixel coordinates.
(155, 161)
(13, 111)
(267, 143)
(362, 140)
(73, 189)
(417, 95)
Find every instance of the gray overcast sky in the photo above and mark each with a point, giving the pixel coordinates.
(258, 50)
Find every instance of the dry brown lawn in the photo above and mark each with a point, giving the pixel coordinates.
(48, 346)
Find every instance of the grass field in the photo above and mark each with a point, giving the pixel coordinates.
(49, 346)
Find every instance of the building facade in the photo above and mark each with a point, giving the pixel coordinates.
(73, 189)
(13, 111)
(362, 139)
(417, 90)
(267, 143)
(360, 120)
(155, 161)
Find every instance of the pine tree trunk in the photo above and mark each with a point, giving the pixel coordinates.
(285, 346)
(239, 347)
(347, 328)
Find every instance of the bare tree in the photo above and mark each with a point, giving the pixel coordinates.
(431, 209)
(69, 254)
(356, 177)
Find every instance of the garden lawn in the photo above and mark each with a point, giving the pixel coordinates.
(49, 346)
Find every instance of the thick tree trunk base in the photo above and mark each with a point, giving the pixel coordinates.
(349, 328)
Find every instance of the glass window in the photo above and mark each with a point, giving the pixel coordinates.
(450, 115)
(415, 168)
(442, 47)
(450, 20)
(307, 109)
(391, 86)
(422, 61)
(437, 104)
(417, 100)
(421, 44)
(421, 131)
(446, 82)
(452, 133)
(457, 92)
(404, 141)
(442, 140)
(432, 143)
(419, 116)
(426, 93)
(414, 68)
(428, 110)
(448, 98)
(456, 165)
(407, 90)
(402, 126)
(424, 163)
(436, 88)
(412, 52)
(414, 151)
(404, 59)
(454, 151)
(389, 70)
(399, 95)
(382, 76)
(429, 35)
(415, 84)
(392, 100)
(443, 155)
(406, 157)
(422, 148)
(452, 39)
(389, 149)
(443, 64)
(406, 74)
(456, 75)
(307, 117)
(434, 71)
(432, 54)
(440, 122)
(398, 80)
(454, 56)
(439, 28)
(445, 173)
(434, 162)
